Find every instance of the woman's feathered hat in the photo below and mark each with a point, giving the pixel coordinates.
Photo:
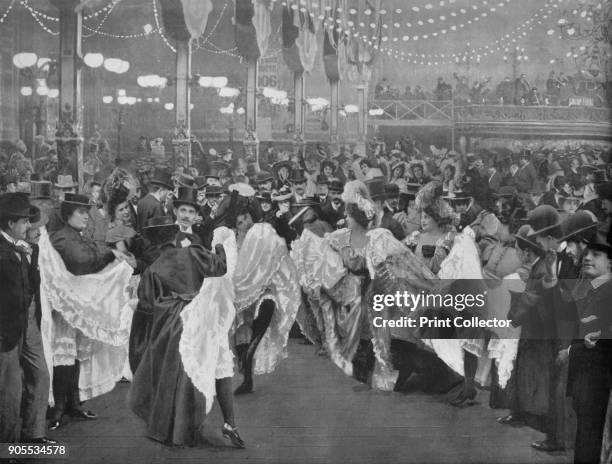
(356, 192)
(429, 200)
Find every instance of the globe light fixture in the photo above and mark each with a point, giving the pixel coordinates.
(93, 60)
(26, 91)
(114, 65)
(351, 108)
(240, 111)
(53, 93)
(107, 99)
(229, 92)
(205, 81)
(24, 60)
(169, 106)
(219, 82)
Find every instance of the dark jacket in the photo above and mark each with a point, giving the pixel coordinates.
(149, 207)
(525, 178)
(80, 255)
(16, 289)
(391, 224)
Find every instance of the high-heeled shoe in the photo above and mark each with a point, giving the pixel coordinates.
(231, 433)
(55, 421)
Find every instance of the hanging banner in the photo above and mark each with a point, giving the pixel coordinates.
(195, 13)
(263, 24)
(173, 20)
(290, 33)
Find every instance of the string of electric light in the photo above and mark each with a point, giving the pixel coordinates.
(160, 30)
(97, 29)
(32, 12)
(406, 37)
(214, 28)
(485, 50)
(8, 10)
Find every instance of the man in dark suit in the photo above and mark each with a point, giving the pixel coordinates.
(24, 378)
(526, 176)
(332, 210)
(390, 207)
(153, 203)
(186, 210)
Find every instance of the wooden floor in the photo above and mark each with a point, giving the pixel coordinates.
(308, 411)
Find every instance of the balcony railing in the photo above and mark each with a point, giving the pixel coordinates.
(416, 110)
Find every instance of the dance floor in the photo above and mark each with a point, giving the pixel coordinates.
(308, 411)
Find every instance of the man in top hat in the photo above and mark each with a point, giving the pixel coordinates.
(298, 184)
(332, 210)
(308, 217)
(153, 204)
(526, 176)
(64, 185)
(343, 172)
(390, 207)
(24, 378)
(9, 183)
(186, 210)
(265, 202)
(322, 188)
(496, 178)
(264, 181)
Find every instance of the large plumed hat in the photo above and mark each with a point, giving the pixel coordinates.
(545, 219)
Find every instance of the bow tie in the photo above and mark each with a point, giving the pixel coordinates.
(22, 248)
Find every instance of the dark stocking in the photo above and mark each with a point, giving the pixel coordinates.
(225, 398)
(62, 376)
(260, 325)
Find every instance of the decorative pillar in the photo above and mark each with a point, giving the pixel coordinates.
(362, 116)
(250, 141)
(181, 142)
(333, 116)
(69, 126)
(299, 112)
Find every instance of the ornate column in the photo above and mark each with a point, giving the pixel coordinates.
(362, 115)
(250, 141)
(181, 142)
(299, 112)
(333, 113)
(69, 128)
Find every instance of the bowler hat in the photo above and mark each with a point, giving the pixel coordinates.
(600, 243)
(186, 196)
(213, 190)
(162, 177)
(76, 199)
(392, 191)
(40, 190)
(545, 219)
(322, 179)
(297, 176)
(580, 222)
(523, 241)
(336, 185)
(16, 205)
(376, 187)
(185, 180)
(263, 177)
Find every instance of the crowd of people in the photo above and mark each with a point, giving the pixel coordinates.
(558, 90)
(164, 278)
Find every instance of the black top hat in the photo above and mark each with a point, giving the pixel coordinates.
(8, 179)
(186, 196)
(264, 176)
(329, 163)
(600, 243)
(16, 205)
(36, 177)
(392, 191)
(76, 199)
(264, 197)
(580, 222)
(200, 182)
(376, 187)
(307, 201)
(336, 185)
(297, 176)
(322, 179)
(213, 191)
(162, 177)
(160, 221)
(40, 190)
(458, 197)
(545, 218)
